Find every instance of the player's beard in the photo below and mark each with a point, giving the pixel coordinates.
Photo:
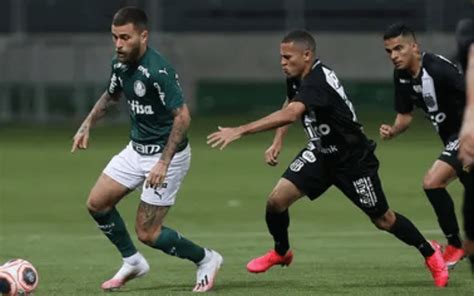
(132, 57)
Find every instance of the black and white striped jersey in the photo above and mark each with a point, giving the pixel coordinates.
(438, 90)
(329, 120)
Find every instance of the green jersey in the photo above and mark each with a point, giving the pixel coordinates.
(152, 91)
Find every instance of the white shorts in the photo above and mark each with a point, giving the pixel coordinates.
(131, 169)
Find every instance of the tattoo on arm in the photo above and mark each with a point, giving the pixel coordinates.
(99, 110)
(180, 126)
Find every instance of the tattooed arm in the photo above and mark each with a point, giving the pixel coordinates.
(81, 138)
(181, 122)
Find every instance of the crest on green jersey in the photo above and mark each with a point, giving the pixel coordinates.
(139, 88)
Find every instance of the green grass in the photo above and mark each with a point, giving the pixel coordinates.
(43, 189)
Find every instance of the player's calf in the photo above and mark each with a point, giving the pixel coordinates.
(386, 221)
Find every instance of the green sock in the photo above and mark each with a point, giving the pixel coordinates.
(173, 243)
(114, 228)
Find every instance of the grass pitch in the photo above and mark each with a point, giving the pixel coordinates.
(43, 189)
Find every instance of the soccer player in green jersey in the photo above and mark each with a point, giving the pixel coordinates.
(156, 159)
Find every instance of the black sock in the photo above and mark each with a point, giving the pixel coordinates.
(277, 224)
(405, 231)
(444, 208)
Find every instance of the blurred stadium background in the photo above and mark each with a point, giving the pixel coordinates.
(56, 54)
(55, 62)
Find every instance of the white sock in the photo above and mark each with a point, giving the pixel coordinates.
(134, 259)
(207, 256)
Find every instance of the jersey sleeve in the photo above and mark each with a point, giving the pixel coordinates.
(403, 103)
(448, 74)
(312, 93)
(168, 89)
(115, 85)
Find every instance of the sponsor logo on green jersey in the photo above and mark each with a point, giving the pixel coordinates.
(139, 109)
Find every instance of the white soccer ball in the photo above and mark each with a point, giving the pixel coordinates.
(18, 277)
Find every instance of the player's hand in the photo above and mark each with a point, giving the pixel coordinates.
(157, 175)
(224, 136)
(386, 132)
(271, 154)
(466, 143)
(81, 139)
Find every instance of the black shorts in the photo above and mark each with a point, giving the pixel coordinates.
(315, 173)
(450, 155)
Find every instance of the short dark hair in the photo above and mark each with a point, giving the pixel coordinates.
(132, 15)
(465, 30)
(397, 29)
(301, 36)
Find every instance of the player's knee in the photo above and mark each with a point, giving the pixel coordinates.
(147, 236)
(93, 206)
(277, 202)
(385, 222)
(99, 202)
(274, 205)
(381, 224)
(430, 181)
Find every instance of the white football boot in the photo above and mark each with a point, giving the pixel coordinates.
(207, 271)
(132, 267)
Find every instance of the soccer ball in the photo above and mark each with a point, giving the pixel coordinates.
(18, 277)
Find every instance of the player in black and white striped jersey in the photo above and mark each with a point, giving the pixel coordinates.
(338, 153)
(434, 84)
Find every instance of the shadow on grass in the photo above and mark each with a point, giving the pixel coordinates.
(242, 287)
(226, 286)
